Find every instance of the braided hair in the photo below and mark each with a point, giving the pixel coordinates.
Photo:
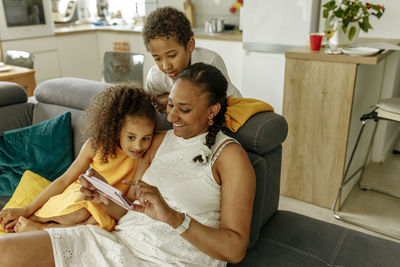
(212, 82)
(107, 112)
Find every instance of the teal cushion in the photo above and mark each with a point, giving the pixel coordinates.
(44, 148)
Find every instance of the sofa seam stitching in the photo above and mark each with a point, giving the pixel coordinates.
(300, 251)
(338, 246)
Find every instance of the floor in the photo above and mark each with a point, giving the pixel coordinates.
(378, 213)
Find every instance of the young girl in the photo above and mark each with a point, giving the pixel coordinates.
(169, 38)
(119, 128)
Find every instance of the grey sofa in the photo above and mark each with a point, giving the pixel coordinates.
(278, 238)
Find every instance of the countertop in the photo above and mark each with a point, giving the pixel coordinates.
(304, 52)
(72, 28)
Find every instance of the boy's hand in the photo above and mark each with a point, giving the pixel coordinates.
(162, 101)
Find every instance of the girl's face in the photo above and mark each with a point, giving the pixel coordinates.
(136, 136)
(170, 56)
(188, 109)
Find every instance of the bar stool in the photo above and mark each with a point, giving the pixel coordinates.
(387, 109)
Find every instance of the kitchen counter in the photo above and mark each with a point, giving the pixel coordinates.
(324, 98)
(73, 28)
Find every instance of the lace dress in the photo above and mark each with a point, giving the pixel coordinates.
(141, 241)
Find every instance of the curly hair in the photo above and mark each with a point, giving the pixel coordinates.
(167, 22)
(106, 114)
(214, 84)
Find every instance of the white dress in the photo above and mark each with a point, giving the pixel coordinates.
(158, 83)
(138, 240)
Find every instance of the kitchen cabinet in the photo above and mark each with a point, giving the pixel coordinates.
(324, 98)
(232, 54)
(44, 49)
(79, 56)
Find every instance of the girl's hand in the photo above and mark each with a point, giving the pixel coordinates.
(162, 101)
(88, 191)
(151, 202)
(9, 218)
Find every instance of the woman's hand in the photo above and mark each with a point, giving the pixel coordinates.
(88, 191)
(152, 203)
(9, 218)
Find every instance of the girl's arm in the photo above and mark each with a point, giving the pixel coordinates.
(78, 166)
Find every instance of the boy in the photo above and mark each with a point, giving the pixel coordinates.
(169, 38)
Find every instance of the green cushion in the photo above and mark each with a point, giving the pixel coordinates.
(44, 148)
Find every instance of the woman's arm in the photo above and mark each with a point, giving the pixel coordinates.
(229, 243)
(238, 184)
(78, 166)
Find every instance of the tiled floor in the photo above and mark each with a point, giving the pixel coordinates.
(371, 209)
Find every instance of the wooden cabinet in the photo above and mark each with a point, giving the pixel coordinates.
(324, 98)
(44, 49)
(22, 76)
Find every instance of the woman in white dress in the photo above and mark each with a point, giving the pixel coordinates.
(193, 203)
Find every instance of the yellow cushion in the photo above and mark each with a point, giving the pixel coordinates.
(28, 189)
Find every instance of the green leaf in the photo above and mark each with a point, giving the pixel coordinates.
(352, 32)
(325, 13)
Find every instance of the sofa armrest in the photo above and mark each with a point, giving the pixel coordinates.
(12, 93)
(15, 112)
(262, 132)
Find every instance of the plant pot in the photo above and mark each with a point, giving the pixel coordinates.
(340, 38)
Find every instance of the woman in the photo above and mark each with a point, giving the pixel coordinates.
(194, 202)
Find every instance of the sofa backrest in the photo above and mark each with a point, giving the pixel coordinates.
(261, 136)
(60, 95)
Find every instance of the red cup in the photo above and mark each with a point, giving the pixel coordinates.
(315, 41)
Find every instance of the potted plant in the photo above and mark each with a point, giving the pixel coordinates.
(350, 16)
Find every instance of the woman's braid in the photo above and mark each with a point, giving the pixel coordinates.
(214, 84)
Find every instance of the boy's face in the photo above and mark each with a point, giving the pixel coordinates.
(136, 136)
(170, 56)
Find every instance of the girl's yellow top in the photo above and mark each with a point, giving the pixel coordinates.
(120, 168)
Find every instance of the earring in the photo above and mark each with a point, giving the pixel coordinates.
(210, 122)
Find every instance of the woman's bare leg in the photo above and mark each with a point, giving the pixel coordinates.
(26, 249)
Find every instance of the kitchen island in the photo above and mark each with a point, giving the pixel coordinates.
(324, 98)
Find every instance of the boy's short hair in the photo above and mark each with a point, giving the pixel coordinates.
(167, 22)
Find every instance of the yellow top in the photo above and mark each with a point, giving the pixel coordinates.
(241, 109)
(122, 167)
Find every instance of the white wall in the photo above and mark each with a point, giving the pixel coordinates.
(205, 9)
(388, 26)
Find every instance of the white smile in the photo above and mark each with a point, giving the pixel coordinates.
(179, 125)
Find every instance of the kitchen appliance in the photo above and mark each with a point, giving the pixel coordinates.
(64, 11)
(270, 28)
(25, 18)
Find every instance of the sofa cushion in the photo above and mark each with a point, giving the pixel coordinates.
(291, 239)
(30, 186)
(68, 92)
(44, 148)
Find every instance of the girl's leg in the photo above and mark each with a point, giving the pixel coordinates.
(26, 225)
(75, 217)
(26, 249)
